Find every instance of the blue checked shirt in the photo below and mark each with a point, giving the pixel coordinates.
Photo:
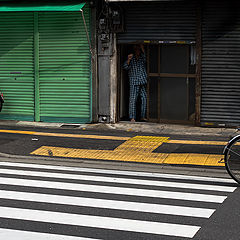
(137, 70)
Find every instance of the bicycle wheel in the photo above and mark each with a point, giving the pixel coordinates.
(232, 158)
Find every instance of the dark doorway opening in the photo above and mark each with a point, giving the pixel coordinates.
(171, 83)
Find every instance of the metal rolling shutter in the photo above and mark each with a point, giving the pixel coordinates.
(159, 21)
(64, 63)
(16, 65)
(221, 64)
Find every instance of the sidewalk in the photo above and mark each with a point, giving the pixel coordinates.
(153, 128)
(171, 129)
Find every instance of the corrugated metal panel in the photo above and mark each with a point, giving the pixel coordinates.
(140, 0)
(65, 88)
(159, 21)
(37, 7)
(221, 63)
(16, 56)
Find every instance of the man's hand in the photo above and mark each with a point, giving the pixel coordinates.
(130, 56)
(142, 47)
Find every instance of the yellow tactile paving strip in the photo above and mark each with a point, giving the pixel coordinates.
(136, 149)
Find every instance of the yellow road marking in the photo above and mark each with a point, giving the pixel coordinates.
(136, 149)
(198, 142)
(66, 135)
(221, 143)
(19, 132)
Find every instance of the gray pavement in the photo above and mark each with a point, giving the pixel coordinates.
(154, 128)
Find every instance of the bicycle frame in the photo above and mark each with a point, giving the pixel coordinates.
(230, 142)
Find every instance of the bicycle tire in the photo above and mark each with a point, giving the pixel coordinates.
(232, 158)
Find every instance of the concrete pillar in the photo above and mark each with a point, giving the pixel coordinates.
(113, 82)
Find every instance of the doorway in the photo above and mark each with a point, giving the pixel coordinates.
(171, 83)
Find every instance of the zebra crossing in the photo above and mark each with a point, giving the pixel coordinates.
(71, 203)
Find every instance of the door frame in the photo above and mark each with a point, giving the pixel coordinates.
(197, 77)
(159, 74)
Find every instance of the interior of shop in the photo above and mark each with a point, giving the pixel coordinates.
(171, 72)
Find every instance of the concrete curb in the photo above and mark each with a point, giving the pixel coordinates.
(151, 128)
(171, 129)
(118, 165)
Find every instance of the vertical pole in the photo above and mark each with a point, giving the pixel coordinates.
(94, 70)
(113, 80)
(36, 68)
(119, 83)
(159, 84)
(198, 63)
(86, 30)
(147, 57)
(92, 61)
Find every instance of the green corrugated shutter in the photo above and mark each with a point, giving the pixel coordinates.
(37, 7)
(56, 65)
(17, 66)
(64, 63)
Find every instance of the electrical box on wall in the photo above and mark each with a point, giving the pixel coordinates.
(105, 47)
(116, 19)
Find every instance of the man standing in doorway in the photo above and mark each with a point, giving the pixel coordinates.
(136, 67)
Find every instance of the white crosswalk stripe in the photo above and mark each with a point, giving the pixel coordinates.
(100, 222)
(110, 204)
(118, 172)
(24, 235)
(119, 180)
(84, 203)
(115, 190)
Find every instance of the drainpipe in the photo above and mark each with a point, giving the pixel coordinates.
(86, 30)
(113, 81)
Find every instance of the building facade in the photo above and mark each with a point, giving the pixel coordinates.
(59, 65)
(193, 59)
(45, 61)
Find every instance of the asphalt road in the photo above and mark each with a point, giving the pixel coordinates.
(57, 202)
(24, 144)
(79, 203)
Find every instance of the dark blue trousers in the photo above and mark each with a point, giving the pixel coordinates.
(135, 90)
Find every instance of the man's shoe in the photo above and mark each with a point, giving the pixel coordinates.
(143, 120)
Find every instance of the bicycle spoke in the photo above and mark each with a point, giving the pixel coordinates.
(233, 152)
